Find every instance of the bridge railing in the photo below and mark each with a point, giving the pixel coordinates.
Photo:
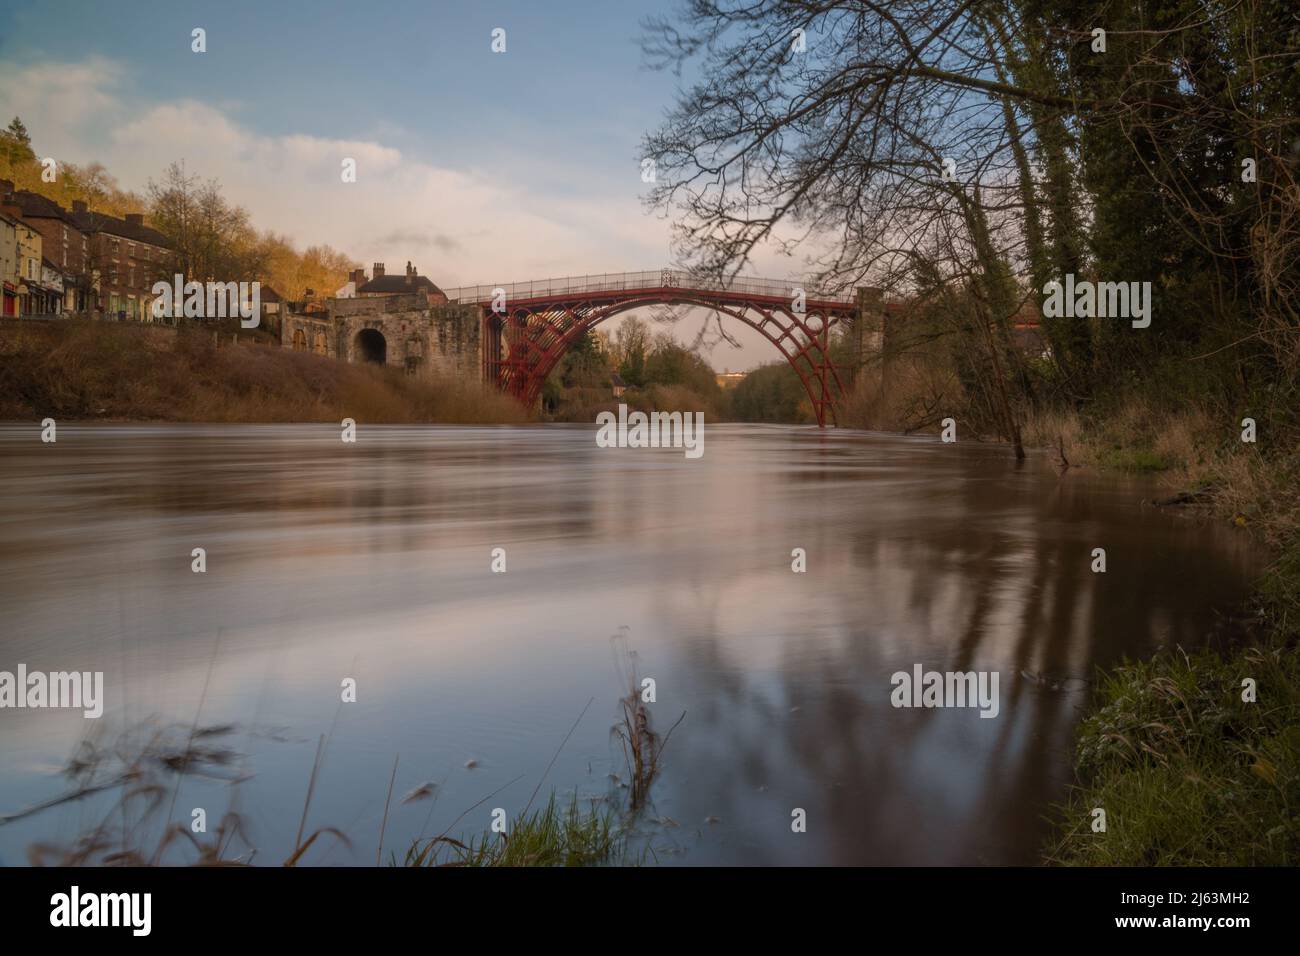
(629, 281)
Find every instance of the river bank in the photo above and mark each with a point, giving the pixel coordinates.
(83, 371)
(1193, 755)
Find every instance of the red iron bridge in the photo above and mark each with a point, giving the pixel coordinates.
(528, 326)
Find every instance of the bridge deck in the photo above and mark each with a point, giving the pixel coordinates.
(654, 281)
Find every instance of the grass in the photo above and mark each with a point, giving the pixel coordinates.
(146, 765)
(571, 835)
(99, 370)
(1189, 773)
(554, 835)
(1136, 461)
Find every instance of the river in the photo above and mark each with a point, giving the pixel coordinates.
(372, 561)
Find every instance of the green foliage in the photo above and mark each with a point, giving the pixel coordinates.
(671, 364)
(1133, 460)
(584, 365)
(660, 376)
(552, 836)
(772, 393)
(15, 144)
(1188, 773)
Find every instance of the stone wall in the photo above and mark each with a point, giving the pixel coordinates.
(427, 341)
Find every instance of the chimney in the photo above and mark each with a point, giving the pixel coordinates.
(78, 205)
(6, 188)
(379, 270)
(135, 218)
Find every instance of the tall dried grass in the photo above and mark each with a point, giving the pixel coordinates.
(89, 370)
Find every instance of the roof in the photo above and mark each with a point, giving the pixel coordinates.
(616, 380)
(397, 283)
(267, 294)
(100, 222)
(36, 206)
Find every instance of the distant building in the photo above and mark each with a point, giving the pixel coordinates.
(356, 279)
(9, 263)
(400, 330)
(730, 379)
(411, 282)
(617, 384)
(126, 258)
(51, 285)
(108, 264)
(63, 244)
(24, 293)
(272, 307)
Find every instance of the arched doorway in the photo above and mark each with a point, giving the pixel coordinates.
(299, 340)
(371, 346)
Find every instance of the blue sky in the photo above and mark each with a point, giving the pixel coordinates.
(478, 166)
(419, 75)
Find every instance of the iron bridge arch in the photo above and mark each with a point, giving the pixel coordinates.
(528, 327)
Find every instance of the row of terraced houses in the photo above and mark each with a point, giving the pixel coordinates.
(55, 260)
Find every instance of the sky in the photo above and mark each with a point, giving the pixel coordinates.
(478, 167)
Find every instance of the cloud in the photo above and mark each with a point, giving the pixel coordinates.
(410, 237)
(80, 98)
(458, 226)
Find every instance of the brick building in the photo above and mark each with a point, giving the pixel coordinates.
(109, 265)
(126, 258)
(65, 246)
(25, 292)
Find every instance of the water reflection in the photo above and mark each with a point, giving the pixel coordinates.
(371, 561)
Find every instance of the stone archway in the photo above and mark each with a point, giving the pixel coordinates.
(371, 346)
